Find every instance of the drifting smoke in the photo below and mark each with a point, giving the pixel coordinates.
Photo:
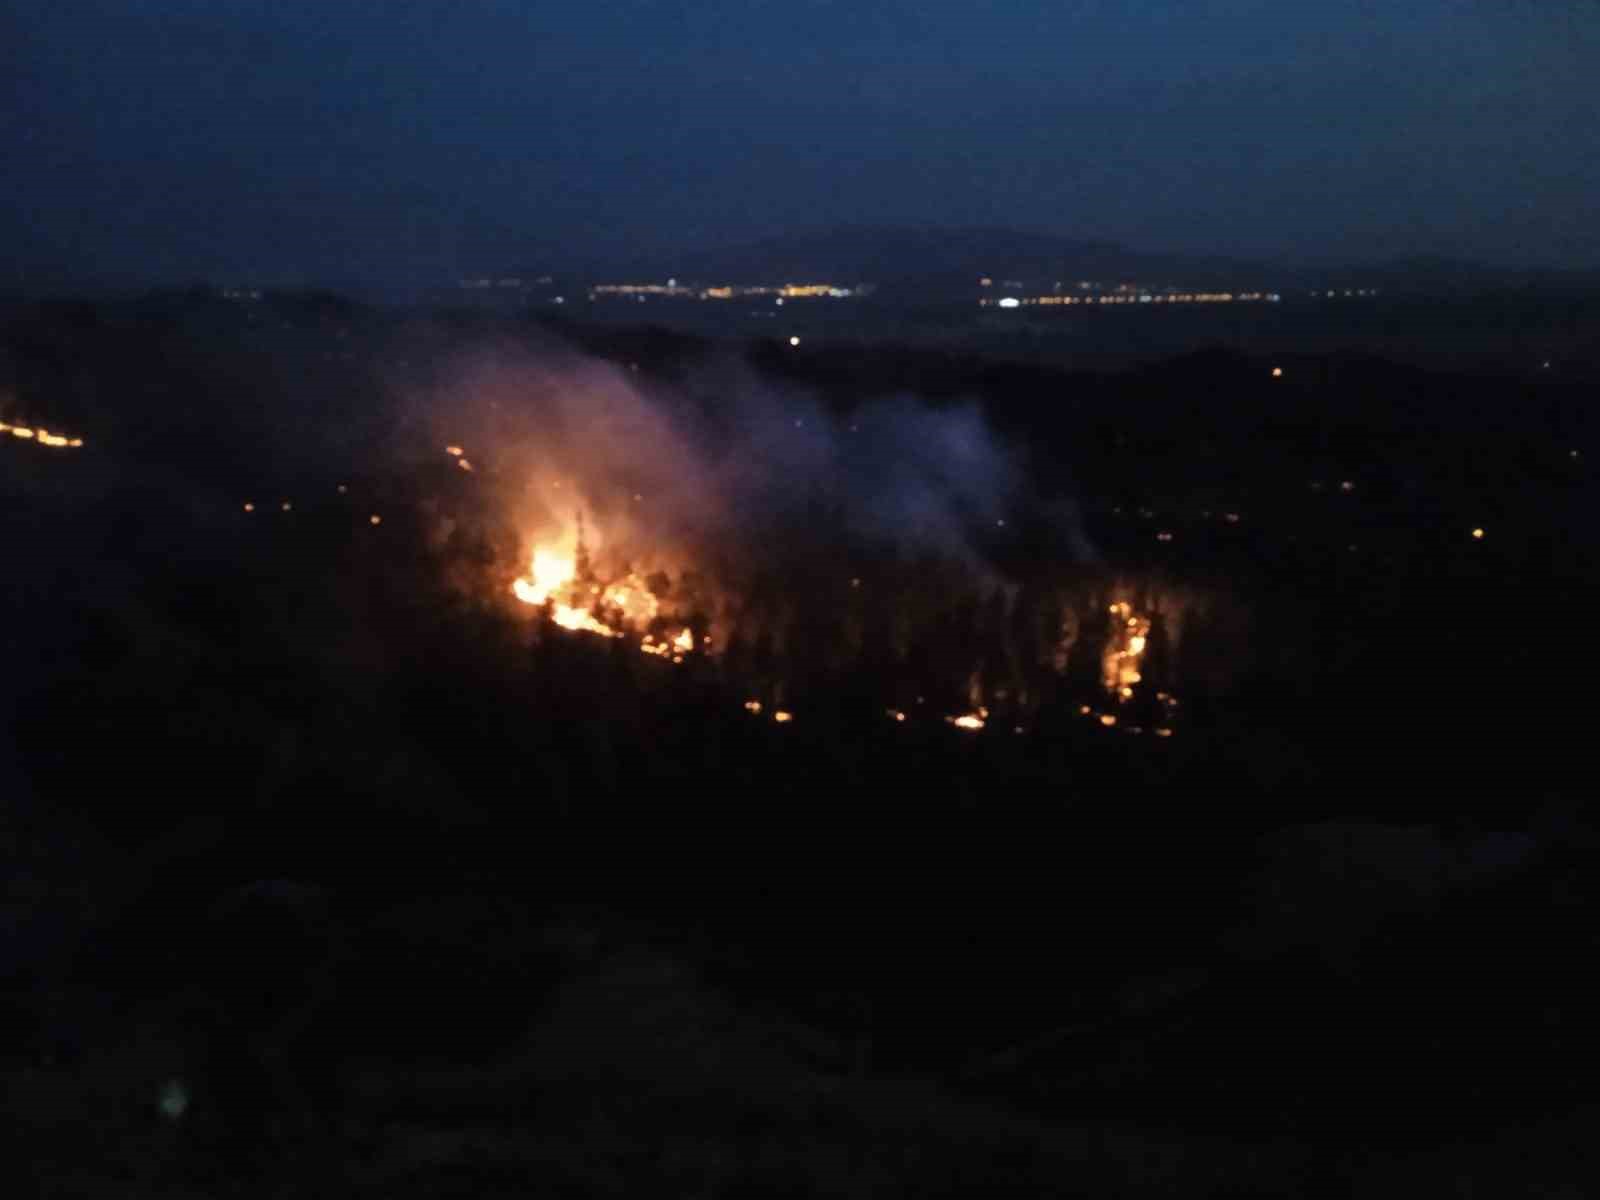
(728, 513)
(713, 471)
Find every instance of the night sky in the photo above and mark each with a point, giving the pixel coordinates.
(390, 142)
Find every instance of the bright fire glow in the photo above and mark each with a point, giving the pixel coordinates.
(552, 573)
(680, 645)
(1119, 665)
(611, 610)
(972, 721)
(40, 436)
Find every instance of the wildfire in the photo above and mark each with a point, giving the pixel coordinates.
(970, 721)
(40, 437)
(552, 576)
(578, 602)
(1130, 633)
(674, 649)
(602, 595)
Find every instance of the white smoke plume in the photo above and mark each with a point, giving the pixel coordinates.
(721, 464)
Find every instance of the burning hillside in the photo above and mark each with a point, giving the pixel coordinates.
(798, 552)
(580, 601)
(771, 636)
(41, 436)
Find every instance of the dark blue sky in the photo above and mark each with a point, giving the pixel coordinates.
(398, 140)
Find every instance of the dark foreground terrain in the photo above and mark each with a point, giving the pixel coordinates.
(563, 919)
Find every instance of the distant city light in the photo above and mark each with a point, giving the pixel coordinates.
(1477, 535)
(1010, 302)
(286, 506)
(1277, 372)
(375, 519)
(248, 507)
(1126, 293)
(794, 341)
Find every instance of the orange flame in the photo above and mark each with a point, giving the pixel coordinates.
(40, 436)
(1130, 634)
